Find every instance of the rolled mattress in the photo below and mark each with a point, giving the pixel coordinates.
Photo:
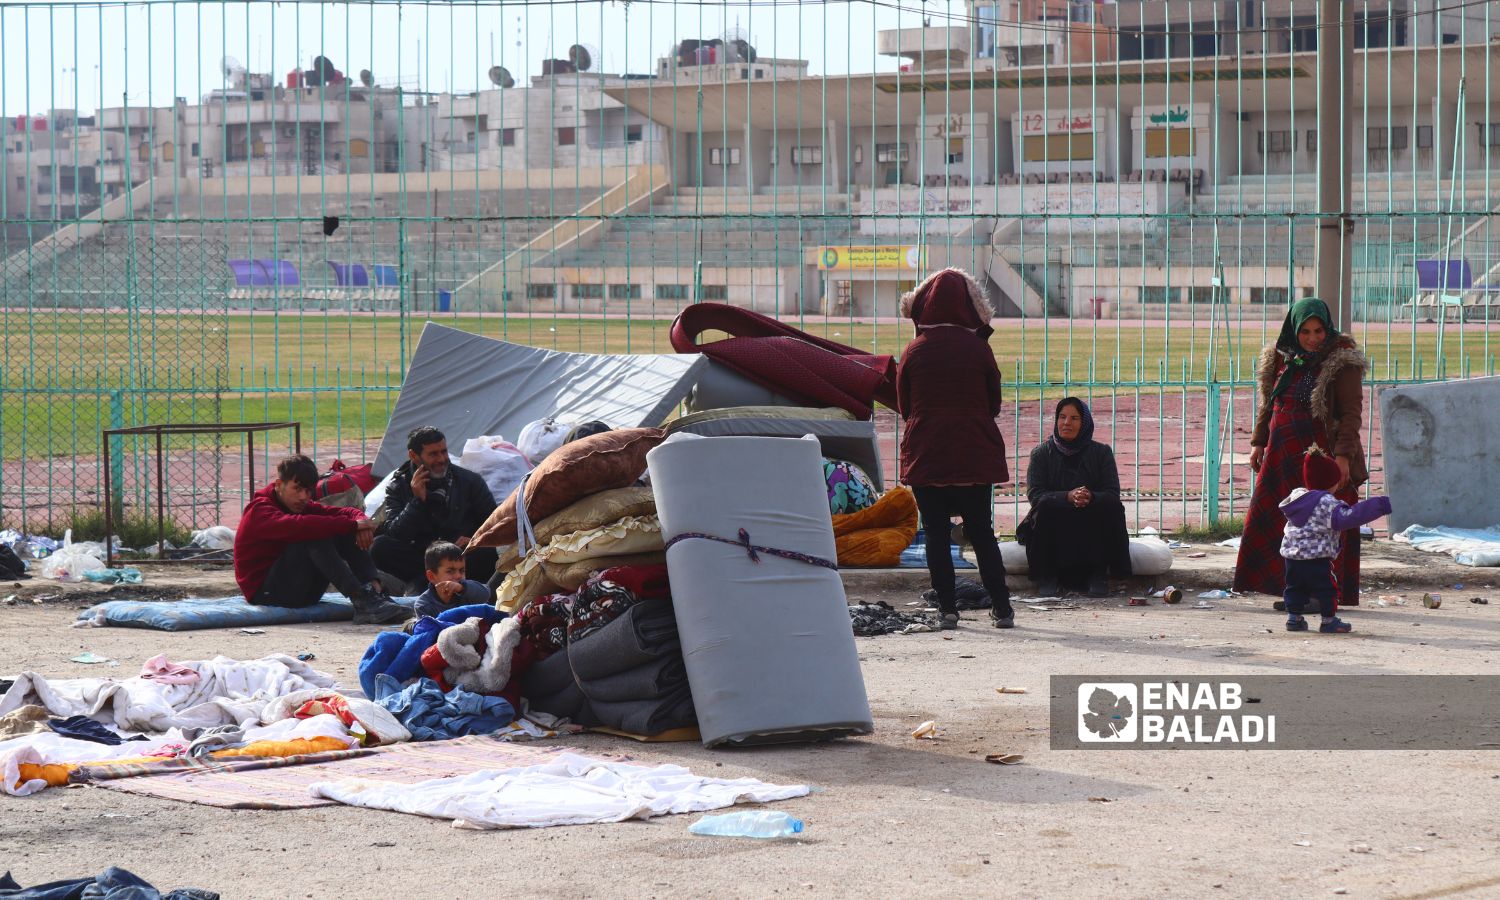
(769, 651)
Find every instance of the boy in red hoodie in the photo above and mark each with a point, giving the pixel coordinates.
(288, 549)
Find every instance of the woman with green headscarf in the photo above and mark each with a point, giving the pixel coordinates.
(1312, 392)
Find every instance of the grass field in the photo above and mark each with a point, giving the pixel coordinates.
(339, 374)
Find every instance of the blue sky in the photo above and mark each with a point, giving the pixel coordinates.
(64, 54)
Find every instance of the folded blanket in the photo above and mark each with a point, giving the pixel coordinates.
(648, 717)
(547, 677)
(654, 679)
(644, 633)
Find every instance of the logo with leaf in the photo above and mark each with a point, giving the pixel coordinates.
(1108, 714)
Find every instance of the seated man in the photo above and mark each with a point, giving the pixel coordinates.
(430, 499)
(288, 549)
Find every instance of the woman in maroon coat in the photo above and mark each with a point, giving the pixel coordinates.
(948, 391)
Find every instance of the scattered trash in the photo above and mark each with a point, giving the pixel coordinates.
(1196, 555)
(1101, 800)
(252, 631)
(128, 575)
(1479, 600)
(1432, 601)
(90, 658)
(1377, 602)
(762, 823)
(1139, 601)
(1361, 848)
(1005, 759)
(1175, 545)
(927, 729)
(1216, 594)
(1009, 690)
(1458, 587)
(306, 657)
(1169, 594)
(217, 537)
(383, 844)
(9, 601)
(966, 656)
(1148, 530)
(71, 561)
(1233, 542)
(1301, 843)
(1045, 604)
(1341, 890)
(1203, 604)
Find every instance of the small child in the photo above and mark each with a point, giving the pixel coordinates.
(447, 585)
(1314, 520)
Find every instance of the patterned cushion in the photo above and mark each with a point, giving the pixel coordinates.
(849, 488)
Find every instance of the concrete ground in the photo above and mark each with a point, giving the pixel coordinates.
(891, 814)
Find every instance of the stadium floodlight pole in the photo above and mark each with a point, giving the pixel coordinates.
(1335, 132)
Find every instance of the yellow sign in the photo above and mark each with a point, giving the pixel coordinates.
(847, 259)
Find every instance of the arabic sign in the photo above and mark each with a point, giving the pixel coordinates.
(1064, 122)
(1181, 115)
(847, 259)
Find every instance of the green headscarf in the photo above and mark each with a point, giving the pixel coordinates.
(1297, 359)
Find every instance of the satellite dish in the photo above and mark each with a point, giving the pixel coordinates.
(365, 78)
(323, 72)
(501, 77)
(580, 57)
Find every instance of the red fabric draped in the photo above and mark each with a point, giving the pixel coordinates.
(791, 362)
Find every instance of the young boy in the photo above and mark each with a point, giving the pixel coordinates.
(446, 583)
(1314, 520)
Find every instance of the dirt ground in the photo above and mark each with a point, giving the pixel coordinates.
(890, 814)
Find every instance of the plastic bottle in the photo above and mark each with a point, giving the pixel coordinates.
(763, 823)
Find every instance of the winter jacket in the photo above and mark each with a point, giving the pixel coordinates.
(445, 515)
(1337, 400)
(429, 604)
(267, 528)
(948, 387)
(1315, 520)
(1050, 475)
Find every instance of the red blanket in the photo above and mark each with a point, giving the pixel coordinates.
(808, 369)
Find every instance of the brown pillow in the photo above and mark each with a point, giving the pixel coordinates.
(600, 462)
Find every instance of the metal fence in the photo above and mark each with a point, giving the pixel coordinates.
(225, 212)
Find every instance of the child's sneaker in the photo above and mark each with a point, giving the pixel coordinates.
(1335, 625)
(1296, 623)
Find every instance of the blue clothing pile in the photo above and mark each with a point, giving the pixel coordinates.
(431, 715)
(400, 655)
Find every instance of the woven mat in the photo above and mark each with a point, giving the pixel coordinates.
(286, 787)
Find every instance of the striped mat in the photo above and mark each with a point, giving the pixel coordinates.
(285, 786)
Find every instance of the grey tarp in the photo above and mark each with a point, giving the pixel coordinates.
(468, 385)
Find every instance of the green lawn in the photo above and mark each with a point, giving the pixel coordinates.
(339, 374)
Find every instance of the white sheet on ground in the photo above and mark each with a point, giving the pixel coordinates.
(228, 692)
(1467, 546)
(572, 790)
(48, 747)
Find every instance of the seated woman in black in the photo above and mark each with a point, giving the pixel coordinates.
(1075, 533)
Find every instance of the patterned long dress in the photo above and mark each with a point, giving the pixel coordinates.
(1259, 567)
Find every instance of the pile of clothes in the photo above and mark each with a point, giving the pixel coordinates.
(613, 659)
(54, 731)
(874, 619)
(454, 674)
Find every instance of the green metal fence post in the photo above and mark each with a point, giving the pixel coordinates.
(1211, 452)
(117, 452)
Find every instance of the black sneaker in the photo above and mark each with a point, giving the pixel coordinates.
(373, 607)
(948, 621)
(1006, 621)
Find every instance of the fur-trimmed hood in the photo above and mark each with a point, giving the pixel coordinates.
(950, 297)
(1345, 354)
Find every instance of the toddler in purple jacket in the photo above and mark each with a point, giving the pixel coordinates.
(1315, 520)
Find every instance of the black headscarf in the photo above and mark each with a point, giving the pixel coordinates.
(1085, 434)
(1299, 360)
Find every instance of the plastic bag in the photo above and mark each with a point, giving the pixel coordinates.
(540, 438)
(500, 463)
(128, 575)
(72, 561)
(216, 537)
(375, 499)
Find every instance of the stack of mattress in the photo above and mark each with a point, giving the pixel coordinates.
(766, 640)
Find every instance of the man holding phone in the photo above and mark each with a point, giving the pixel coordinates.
(430, 499)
